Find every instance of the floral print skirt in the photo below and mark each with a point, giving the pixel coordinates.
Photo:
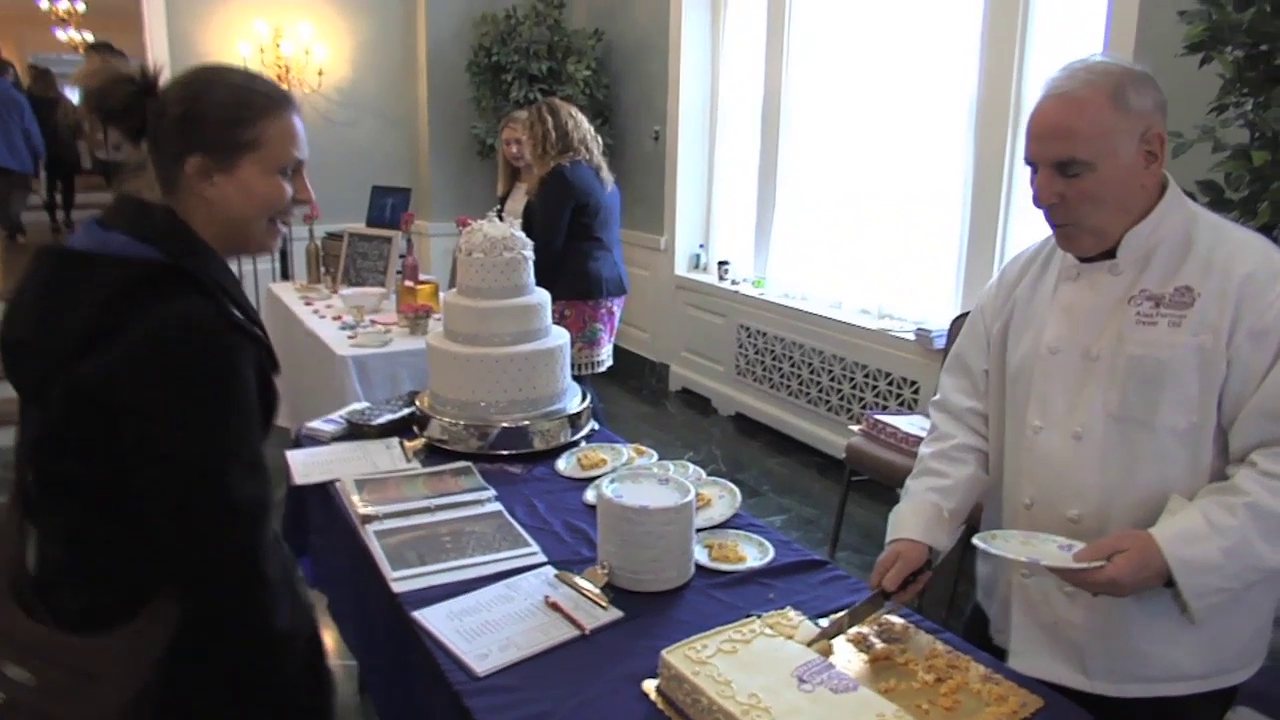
(593, 325)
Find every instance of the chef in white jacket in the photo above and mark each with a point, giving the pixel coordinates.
(1127, 360)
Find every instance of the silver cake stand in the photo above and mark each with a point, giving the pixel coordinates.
(508, 435)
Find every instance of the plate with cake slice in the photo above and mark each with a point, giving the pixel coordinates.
(640, 454)
(731, 550)
(717, 500)
(592, 460)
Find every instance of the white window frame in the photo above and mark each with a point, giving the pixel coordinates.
(691, 80)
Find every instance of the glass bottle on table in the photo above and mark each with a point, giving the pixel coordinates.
(315, 266)
(407, 292)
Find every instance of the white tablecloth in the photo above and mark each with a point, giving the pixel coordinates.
(319, 370)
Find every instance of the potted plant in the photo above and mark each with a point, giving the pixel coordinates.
(1243, 128)
(528, 52)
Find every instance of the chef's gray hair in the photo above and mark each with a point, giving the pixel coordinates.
(1134, 90)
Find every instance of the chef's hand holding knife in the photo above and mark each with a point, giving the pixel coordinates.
(895, 566)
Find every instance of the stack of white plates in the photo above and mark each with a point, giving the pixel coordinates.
(644, 527)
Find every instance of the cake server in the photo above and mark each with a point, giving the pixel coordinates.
(866, 609)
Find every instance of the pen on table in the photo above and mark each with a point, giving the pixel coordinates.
(563, 612)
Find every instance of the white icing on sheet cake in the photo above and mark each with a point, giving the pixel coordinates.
(498, 354)
(757, 669)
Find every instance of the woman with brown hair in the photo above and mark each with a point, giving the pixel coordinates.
(164, 508)
(61, 130)
(574, 218)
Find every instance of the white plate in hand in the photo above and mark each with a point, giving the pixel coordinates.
(759, 552)
(1034, 548)
(615, 455)
(723, 500)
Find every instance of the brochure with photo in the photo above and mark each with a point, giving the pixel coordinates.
(387, 495)
(445, 542)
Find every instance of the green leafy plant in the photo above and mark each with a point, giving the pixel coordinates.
(1242, 38)
(528, 52)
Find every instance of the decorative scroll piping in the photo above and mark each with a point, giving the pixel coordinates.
(497, 339)
(455, 409)
(493, 238)
(752, 705)
(784, 622)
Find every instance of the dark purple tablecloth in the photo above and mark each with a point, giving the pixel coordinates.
(410, 677)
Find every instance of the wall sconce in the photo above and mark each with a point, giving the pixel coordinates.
(292, 60)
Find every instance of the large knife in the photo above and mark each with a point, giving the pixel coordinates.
(863, 611)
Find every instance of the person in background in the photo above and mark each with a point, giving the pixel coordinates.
(163, 341)
(513, 167)
(513, 171)
(21, 151)
(111, 154)
(61, 129)
(1118, 384)
(574, 217)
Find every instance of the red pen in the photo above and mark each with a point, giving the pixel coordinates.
(563, 612)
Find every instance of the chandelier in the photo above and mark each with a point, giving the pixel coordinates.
(291, 59)
(67, 16)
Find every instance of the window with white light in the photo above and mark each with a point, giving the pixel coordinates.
(1048, 49)
(852, 164)
(738, 53)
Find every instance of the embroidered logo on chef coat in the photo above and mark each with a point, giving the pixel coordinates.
(1168, 309)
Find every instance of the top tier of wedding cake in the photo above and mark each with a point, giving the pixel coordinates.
(760, 669)
(495, 261)
(498, 355)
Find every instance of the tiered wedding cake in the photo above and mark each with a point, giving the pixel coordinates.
(498, 355)
(759, 669)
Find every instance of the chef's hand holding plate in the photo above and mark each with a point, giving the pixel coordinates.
(897, 561)
(1134, 564)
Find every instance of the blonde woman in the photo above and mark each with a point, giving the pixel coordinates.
(513, 176)
(574, 217)
(513, 166)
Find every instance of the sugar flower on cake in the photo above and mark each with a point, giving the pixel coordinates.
(492, 238)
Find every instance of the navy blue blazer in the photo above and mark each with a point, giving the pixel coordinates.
(576, 228)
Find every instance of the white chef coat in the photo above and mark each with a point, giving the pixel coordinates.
(1078, 399)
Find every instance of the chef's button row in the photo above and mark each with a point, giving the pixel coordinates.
(1073, 516)
(1114, 269)
(1076, 433)
(1092, 354)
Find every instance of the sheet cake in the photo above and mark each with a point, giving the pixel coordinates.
(759, 669)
